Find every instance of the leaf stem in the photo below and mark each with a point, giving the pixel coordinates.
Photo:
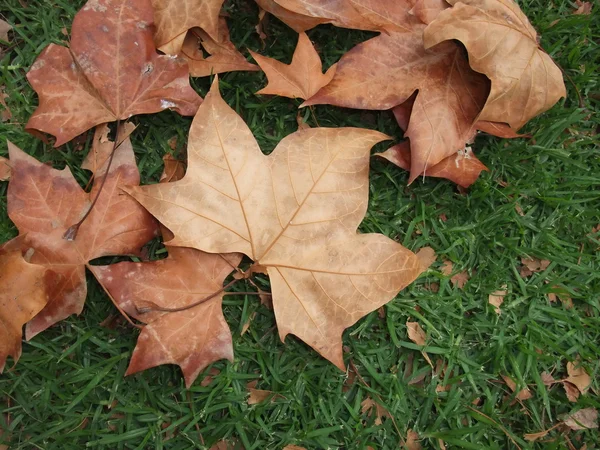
(71, 233)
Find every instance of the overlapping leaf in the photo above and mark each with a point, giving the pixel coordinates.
(111, 71)
(294, 212)
(44, 202)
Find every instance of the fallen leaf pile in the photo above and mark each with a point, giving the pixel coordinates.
(295, 213)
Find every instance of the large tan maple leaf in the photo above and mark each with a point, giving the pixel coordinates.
(193, 338)
(294, 212)
(22, 295)
(503, 45)
(111, 71)
(44, 202)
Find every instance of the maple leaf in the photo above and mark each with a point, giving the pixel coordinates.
(503, 45)
(22, 295)
(387, 70)
(192, 338)
(175, 18)
(4, 169)
(294, 212)
(44, 202)
(300, 79)
(223, 55)
(297, 22)
(111, 71)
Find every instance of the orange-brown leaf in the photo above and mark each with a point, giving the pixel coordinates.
(584, 419)
(5, 27)
(427, 10)
(44, 202)
(174, 169)
(22, 295)
(4, 169)
(110, 72)
(387, 70)
(578, 377)
(102, 146)
(224, 57)
(503, 45)
(523, 394)
(297, 22)
(294, 212)
(193, 338)
(496, 298)
(300, 79)
(416, 333)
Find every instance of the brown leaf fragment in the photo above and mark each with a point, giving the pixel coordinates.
(416, 333)
(175, 18)
(300, 79)
(427, 10)
(294, 212)
(578, 377)
(5, 27)
(4, 169)
(102, 146)
(100, 78)
(532, 265)
(523, 394)
(584, 419)
(259, 396)
(208, 378)
(496, 299)
(369, 406)
(412, 441)
(503, 45)
(571, 391)
(5, 112)
(293, 447)
(583, 8)
(532, 437)
(174, 169)
(44, 202)
(246, 325)
(23, 294)
(297, 22)
(223, 56)
(192, 338)
(547, 379)
(387, 70)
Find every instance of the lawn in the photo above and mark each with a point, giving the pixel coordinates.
(541, 199)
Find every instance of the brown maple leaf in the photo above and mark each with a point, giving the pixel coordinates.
(4, 169)
(175, 18)
(297, 22)
(294, 212)
(224, 57)
(44, 202)
(23, 294)
(192, 338)
(503, 45)
(300, 79)
(111, 71)
(387, 70)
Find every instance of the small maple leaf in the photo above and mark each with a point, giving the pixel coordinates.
(224, 57)
(192, 338)
(175, 18)
(44, 202)
(23, 294)
(300, 79)
(524, 80)
(294, 212)
(102, 77)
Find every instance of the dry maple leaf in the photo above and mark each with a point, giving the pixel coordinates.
(4, 169)
(387, 70)
(175, 17)
(23, 294)
(497, 298)
(584, 419)
(224, 57)
(300, 79)
(44, 202)
(193, 338)
(294, 212)
(503, 45)
(297, 22)
(111, 71)
(523, 394)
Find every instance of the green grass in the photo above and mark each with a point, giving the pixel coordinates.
(68, 389)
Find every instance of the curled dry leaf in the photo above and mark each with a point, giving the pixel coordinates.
(523, 394)
(497, 298)
(101, 79)
(387, 70)
(416, 333)
(23, 294)
(175, 18)
(174, 169)
(300, 79)
(584, 419)
(503, 45)
(4, 169)
(193, 338)
(44, 202)
(224, 57)
(532, 437)
(578, 377)
(294, 212)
